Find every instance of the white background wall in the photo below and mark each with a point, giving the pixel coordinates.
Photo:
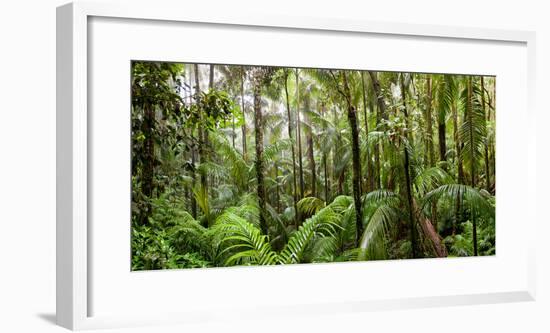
(27, 169)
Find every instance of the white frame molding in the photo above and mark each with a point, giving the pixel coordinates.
(72, 140)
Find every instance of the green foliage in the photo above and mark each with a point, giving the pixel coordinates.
(310, 205)
(322, 224)
(172, 239)
(242, 242)
(210, 109)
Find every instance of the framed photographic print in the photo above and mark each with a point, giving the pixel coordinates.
(213, 165)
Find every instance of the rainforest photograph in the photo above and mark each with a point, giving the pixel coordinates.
(243, 165)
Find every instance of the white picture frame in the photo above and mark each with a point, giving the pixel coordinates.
(74, 285)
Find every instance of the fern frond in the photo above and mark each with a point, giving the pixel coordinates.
(324, 223)
(308, 206)
(242, 242)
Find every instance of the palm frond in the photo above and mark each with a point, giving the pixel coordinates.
(429, 179)
(322, 224)
(478, 201)
(242, 242)
(372, 244)
(309, 206)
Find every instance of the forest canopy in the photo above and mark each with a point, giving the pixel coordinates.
(256, 165)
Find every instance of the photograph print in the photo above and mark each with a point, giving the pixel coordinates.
(243, 165)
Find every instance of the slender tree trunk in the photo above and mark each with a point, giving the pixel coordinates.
(406, 167)
(341, 179)
(337, 178)
(203, 142)
(193, 183)
(431, 143)
(243, 127)
(441, 132)
(487, 166)
(206, 133)
(381, 114)
(193, 153)
(429, 127)
(460, 170)
(379, 95)
(458, 147)
(469, 109)
(368, 172)
(211, 77)
(412, 225)
(311, 153)
(259, 133)
(312, 165)
(458, 214)
(356, 158)
(356, 176)
(202, 158)
(441, 129)
(325, 158)
(290, 130)
(233, 131)
(149, 159)
(277, 195)
(327, 191)
(405, 111)
(299, 134)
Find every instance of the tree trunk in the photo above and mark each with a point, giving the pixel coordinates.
(379, 95)
(381, 114)
(193, 153)
(327, 191)
(299, 135)
(405, 111)
(149, 159)
(311, 154)
(211, 77)
(337, 178)
(356, 177)
(290, 130)
(277, 205)
(469, 110)
(356, 158)
(458, 147)
(430, 233)
(193, 183)
(259, 134)
(487, 166)
(412, 225)
(233, 133)
(243, 127)
(429, 127)
(325, 166)
(202, 158)
(368, 172)
(441, 131)
(202, 142)
(341, 179)
(406, 170)
(460, 170)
